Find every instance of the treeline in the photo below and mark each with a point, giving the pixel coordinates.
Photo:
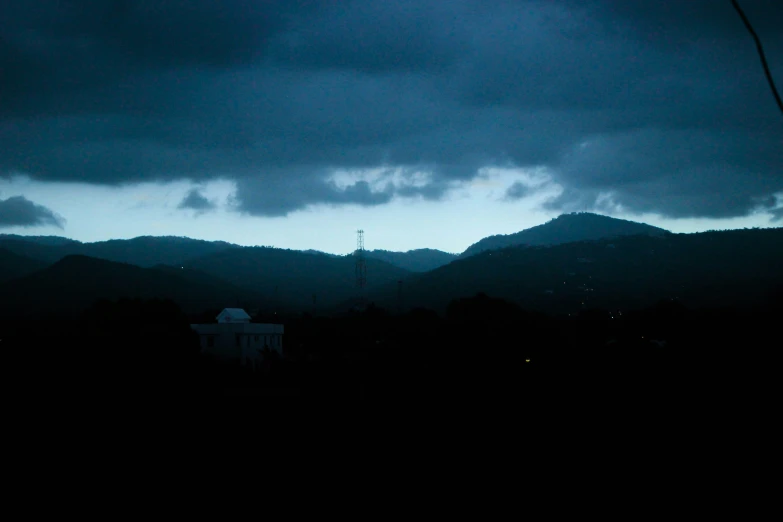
(482, 348)
(122, 349)
(732, 269)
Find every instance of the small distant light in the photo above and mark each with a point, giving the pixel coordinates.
(527, 360)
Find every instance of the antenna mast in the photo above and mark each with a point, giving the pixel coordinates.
(361, 266)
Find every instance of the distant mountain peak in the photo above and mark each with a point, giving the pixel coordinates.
(566, 228)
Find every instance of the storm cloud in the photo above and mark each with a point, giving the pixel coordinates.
(195, 200)
(653, 106)
(18, 211)
(517, 190)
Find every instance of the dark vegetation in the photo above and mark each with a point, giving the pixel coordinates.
(218, 274)
(74, 283)
(13, 266)
(483, 349)
(128, 349)
(731, 268)
(291, 278)
(637, 316)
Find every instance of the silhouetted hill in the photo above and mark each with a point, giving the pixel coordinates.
(291, 277)
(241, 296)
(730, 268)
(144, 251)
(41, 240)
(33, 250)
(13, 265)
(319, 253)
(420, 260)
(148, 251)
(74, 283)
(567, 228)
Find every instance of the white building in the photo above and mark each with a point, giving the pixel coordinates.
(234, 337)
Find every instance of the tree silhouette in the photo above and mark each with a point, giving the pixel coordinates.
(762, 55)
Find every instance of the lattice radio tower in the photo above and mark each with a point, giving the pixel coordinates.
(361, 265)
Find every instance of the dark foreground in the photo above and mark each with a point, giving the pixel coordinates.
(484, 351)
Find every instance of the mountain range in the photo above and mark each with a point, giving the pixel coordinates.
(553, 267)
(144, 251)
(149, 251)
(709, 269)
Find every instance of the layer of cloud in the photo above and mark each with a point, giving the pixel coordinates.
(661, 104)
(195, 200)
(279, 196)
(18, 211)
(517, 190)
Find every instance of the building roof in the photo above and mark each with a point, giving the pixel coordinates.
(233, 315)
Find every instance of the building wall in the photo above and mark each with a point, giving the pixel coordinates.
(240, 341)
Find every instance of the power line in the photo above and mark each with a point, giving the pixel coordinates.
(760, 49)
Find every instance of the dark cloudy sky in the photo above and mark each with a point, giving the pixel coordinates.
(429, 123)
